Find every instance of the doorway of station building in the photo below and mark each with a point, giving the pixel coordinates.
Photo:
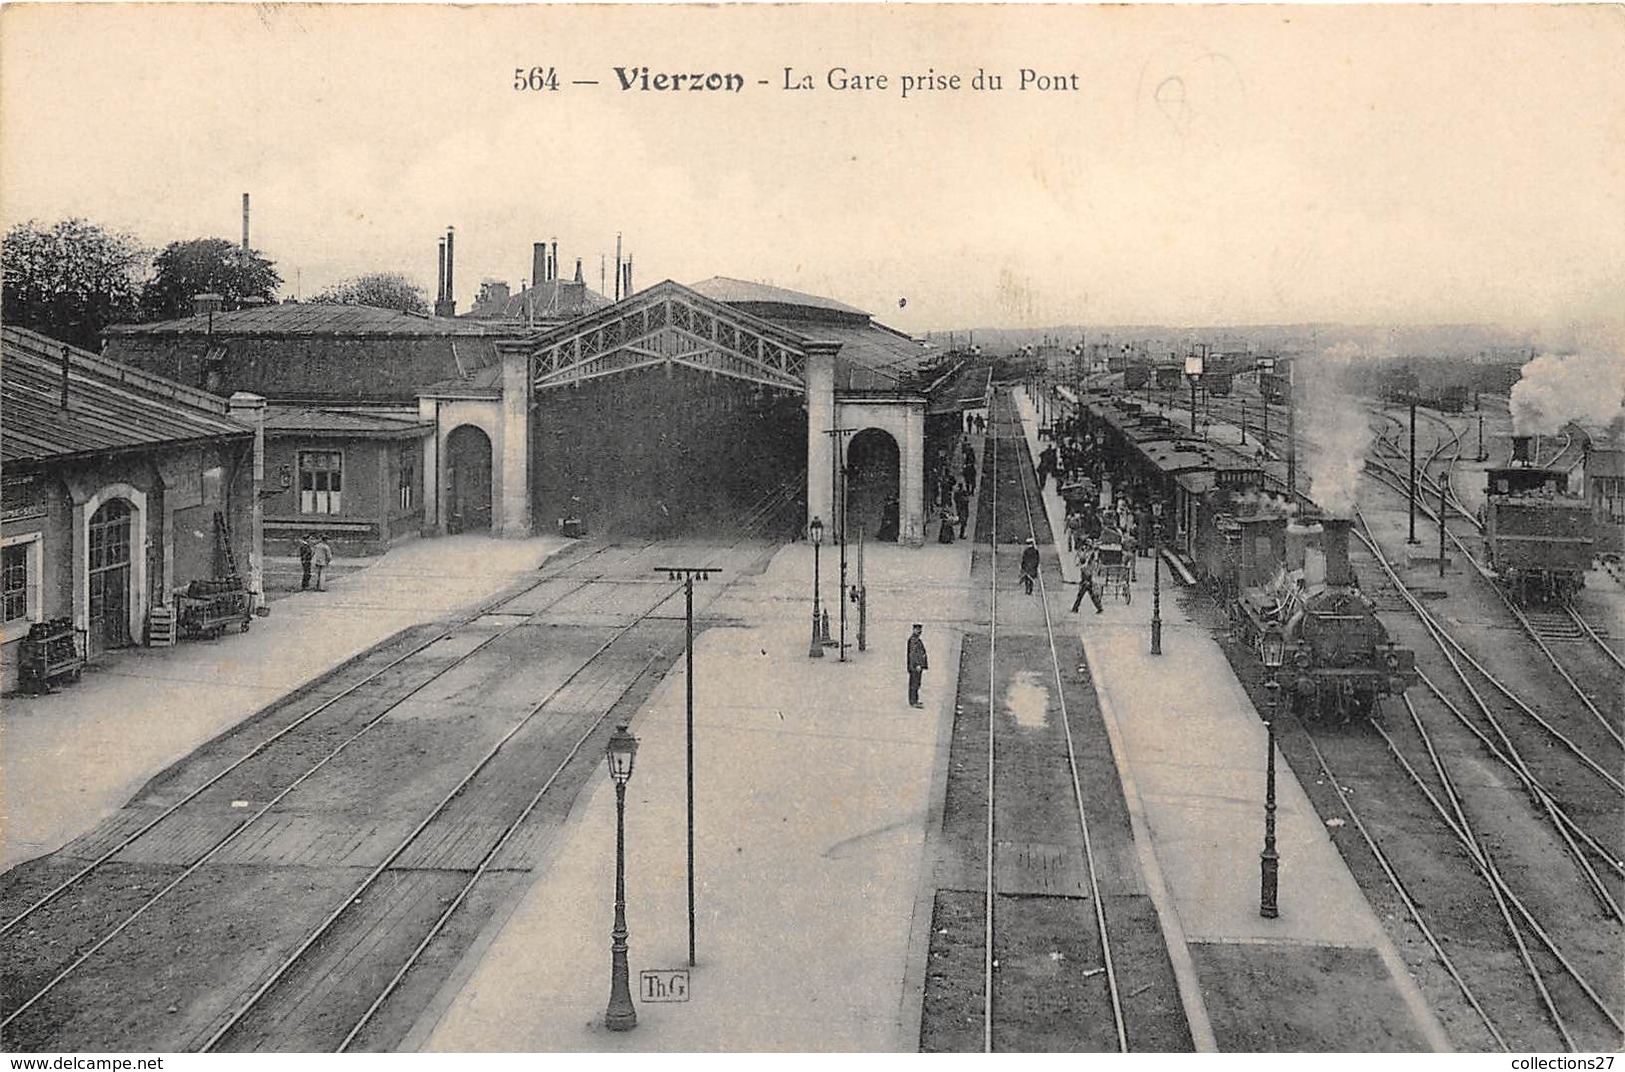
(468, 492)
(668, 450)
(109, 549)
(872, 489)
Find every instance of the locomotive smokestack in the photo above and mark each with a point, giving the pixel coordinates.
(1335, 544)
(1520, 449)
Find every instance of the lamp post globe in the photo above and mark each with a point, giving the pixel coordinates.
(815, 534)
(1156, 577)
(1273, 650)
(621, 1015)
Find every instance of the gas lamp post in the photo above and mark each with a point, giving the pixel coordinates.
(621, 1015)
(1269, 861)
(815, 533)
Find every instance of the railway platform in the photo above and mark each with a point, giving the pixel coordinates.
(1190, 750)
(137, 710)
(813, 798)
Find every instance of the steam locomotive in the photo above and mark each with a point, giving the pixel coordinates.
(1296, 583)
(1281, 573)
(1538, 539)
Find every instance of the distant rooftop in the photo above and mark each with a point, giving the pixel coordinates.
(301, 318)
(740, 292)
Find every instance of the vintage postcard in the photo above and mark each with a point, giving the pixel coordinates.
(606, 529)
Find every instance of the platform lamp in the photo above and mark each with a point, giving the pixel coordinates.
(1156, 577)
(815, 533)
(621, 1014)
(1273, 649)
(1193, 373)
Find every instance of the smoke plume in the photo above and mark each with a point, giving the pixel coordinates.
(1337, 423)
(1576, 387)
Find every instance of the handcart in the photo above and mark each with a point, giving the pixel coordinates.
(1114, 570)
(52, 651)
(209, 608)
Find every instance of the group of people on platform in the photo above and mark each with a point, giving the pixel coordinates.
(952, 496)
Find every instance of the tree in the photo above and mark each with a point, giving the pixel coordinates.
(383, 290)
(207, 266)
(71, 279)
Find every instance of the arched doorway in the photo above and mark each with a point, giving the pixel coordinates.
(872, 489)
(109, 547)
(468, 492)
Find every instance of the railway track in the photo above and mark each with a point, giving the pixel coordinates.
(1499, 858)
(336, 947)
(1043, 938)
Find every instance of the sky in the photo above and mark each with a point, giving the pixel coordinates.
(1212, 166)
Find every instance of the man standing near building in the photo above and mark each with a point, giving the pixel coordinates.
(305, 552)
(321, 556)
(917, 665)
(962, 507)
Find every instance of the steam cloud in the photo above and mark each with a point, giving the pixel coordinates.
(1577, 387)
(1339, 425)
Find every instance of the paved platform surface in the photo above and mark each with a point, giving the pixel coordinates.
(1191, 751)
(814, 797)
(72, 758)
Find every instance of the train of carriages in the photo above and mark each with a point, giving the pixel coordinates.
(1281, 568)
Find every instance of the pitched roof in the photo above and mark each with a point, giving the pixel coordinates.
(112, 408)
(358, 423)
(741, 292)
(299, 318)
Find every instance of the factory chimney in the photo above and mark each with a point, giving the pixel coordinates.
(446, 305)
(1334, 543)
(618, 266)
(245, 225)
(553, 262)
(580, 280)
(440, 279)
(538, 264)
(628, 271)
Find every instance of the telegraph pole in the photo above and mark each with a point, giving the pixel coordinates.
(687, 575)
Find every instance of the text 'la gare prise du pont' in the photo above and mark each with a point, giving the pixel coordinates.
(843, 79)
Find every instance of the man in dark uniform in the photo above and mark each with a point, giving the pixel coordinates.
(917, 666)
(962, 506)
(1029, 566)
(307, 551)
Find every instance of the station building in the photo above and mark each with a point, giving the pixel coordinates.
(119, 488)
(674, 410)
(345, 446)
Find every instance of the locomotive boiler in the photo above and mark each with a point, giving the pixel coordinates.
(1297, 580)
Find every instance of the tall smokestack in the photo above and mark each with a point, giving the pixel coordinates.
(553, 261)
(245, 223)
(538, 263)
(578, 272)
(440, 279)
(451, 259)
(1334, 543)
(603, 283)
(618, 269)
(629, 276)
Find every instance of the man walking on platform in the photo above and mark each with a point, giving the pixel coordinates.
(1087, 557)
(962, 505)
(1029, 566)
(917, 665)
